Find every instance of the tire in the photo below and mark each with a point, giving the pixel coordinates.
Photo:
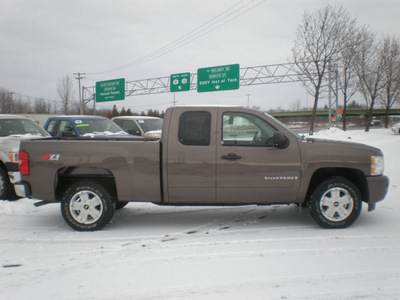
(335, 203)
(119, 205)
(6, 188)
(87, 206)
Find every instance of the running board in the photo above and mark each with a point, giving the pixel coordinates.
(41, 203)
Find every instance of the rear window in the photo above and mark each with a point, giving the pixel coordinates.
(194, 128)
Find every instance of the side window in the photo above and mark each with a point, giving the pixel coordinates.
(243, 129)
(65, 126)
(194, 128)
(130, 126)
(118, 122)
(52, 127)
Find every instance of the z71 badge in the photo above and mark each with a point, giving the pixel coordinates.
(53, 157)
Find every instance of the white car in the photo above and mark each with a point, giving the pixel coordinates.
(396, 128)
(147, 127)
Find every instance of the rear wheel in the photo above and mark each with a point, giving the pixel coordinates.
(335, 203)
(6, 188)
(87, 206)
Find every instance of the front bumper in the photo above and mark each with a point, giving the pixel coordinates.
(377, 188)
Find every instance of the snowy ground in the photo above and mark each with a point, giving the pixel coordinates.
(151, 252)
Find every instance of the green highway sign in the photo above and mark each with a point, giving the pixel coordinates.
(110, 90)
(179, 82)
(220, 78)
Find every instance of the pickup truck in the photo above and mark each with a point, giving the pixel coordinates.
(206, 156)
(13, 129)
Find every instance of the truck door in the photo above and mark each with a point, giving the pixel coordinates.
(249, 168)
(191, 161)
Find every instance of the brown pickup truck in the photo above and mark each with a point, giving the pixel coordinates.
(206, 156)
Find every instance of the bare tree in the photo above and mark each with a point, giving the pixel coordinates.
(65, 89)
(6, 101)
(42, 106)
(370, 73)
(295, 105)
(346, 60)
(318, 40)
(19, 106)
(391, 71)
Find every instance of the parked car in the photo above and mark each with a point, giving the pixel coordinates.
(206, 156)
(147, 127)
(375, 121)
(13, 129)
(82, 125)
(396, 128)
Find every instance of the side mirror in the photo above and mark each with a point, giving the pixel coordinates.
(280, 141)
(68, 134)
(134, 132)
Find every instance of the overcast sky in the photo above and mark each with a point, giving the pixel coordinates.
(45, 40)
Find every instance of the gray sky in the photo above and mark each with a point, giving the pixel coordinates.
(44, 40)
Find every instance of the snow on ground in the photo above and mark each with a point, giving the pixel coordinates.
(246, 252)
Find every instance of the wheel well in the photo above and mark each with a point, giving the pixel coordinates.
(355, 176)
(68, 176)
(2, 165)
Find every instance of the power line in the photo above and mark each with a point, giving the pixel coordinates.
(191, 36)
(197, 36)
(28, 97)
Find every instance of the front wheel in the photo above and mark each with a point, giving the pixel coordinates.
(87, 206)
(335, 203)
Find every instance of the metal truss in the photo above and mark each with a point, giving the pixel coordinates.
(279, 73)
(268, 74)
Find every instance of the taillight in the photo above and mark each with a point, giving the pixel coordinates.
(23, 163)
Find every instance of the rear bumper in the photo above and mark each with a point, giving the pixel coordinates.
(378, 188)
(13, 172)
(22, 190)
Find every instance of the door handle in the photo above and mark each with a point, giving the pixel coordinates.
(231, 156)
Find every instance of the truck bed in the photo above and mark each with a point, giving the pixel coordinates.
(133, 165)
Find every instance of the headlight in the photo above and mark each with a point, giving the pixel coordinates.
(377, 165)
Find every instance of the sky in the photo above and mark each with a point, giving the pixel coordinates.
(43, 41)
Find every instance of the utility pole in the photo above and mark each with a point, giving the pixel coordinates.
(11, 102)
(174, 101)
(79, 77)
(248, 100)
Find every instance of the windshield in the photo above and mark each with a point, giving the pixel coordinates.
(20, 127)
(150, 124)
(86, 126)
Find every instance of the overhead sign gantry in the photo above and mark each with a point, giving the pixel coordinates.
(110, 90)
(219, 78)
